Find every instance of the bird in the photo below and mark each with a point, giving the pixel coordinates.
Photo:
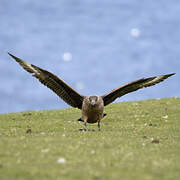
(92, 107)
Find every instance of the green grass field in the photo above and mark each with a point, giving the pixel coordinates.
(138, 141)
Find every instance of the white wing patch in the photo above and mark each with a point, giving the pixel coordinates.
(30, 67)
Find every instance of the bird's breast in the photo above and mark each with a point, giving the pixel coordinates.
(92, 114)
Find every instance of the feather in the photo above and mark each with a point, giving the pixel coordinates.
(63, 90)
(133, 86)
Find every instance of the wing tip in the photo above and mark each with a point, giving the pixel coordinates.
(171, 74)
(10, 54)
(168, 75)
(14, 57)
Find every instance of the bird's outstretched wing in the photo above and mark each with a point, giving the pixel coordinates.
(133, 86)
(63, 90)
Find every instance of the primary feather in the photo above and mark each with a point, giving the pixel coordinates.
(133, 86)
(63, 90)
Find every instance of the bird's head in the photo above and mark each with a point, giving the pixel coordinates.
(93, 100)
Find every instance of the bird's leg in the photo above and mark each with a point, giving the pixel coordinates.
(99, 126)
(84, 119)
(85, 128)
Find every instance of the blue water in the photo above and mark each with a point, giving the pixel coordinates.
(109, 43)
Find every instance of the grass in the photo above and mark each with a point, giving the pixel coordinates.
(139, 140)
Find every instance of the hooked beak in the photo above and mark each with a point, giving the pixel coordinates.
(93, 103)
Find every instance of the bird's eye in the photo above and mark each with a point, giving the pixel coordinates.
(93, 98)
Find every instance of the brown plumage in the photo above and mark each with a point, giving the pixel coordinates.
(92, 106)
